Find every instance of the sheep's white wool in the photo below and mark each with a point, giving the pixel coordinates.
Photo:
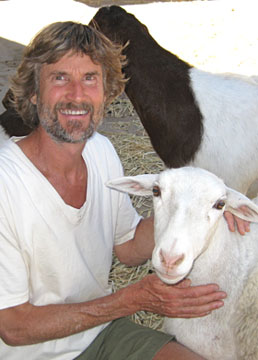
(245, 320)
(192, 240)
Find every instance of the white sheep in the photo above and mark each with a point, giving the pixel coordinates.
(192, 240)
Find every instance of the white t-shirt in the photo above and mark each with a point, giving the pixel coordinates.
(52, 253)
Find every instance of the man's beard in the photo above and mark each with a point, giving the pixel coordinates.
(75, 133)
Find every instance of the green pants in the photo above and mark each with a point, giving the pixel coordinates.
(125, 340)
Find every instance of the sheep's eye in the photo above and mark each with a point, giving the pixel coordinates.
(219, 205)
(156, 191)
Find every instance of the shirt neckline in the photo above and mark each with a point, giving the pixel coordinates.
(71, 212)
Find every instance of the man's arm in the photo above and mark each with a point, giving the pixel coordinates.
(28, 324)
(138, 250)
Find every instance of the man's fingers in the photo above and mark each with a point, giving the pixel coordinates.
(230, 220)
(243, 226)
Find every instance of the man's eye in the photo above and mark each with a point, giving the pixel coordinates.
(60, 77)
(90, 79)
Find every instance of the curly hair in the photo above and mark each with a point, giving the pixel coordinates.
(49, 46)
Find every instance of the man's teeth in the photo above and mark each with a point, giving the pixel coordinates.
(74, 112)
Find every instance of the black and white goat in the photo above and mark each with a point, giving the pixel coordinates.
(191, 116)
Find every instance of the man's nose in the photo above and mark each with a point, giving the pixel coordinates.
(76, 92)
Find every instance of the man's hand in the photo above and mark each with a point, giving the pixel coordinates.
(180, 300)
(234, 222)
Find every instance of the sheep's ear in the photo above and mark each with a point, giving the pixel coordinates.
(239, 205)
(134, 185)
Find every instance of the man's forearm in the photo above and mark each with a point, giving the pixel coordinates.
(28, 324)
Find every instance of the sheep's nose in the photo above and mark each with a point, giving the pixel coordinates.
(169, 261)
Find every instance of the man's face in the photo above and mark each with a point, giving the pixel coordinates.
(71, 98)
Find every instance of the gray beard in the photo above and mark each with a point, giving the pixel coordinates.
(49, 122)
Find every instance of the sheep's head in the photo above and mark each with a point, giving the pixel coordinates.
(188, 203)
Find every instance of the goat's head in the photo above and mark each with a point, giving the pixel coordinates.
(115, 23)
(188, 203)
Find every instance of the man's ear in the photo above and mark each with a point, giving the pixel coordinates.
(33, 99)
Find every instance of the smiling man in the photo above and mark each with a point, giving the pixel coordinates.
(70, 90)
(59, 223)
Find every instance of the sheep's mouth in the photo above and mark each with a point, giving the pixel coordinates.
(169, 279)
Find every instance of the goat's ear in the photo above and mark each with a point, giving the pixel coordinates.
(239, 205)
(134, 185)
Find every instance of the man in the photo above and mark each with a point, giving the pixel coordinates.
(59, 223)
